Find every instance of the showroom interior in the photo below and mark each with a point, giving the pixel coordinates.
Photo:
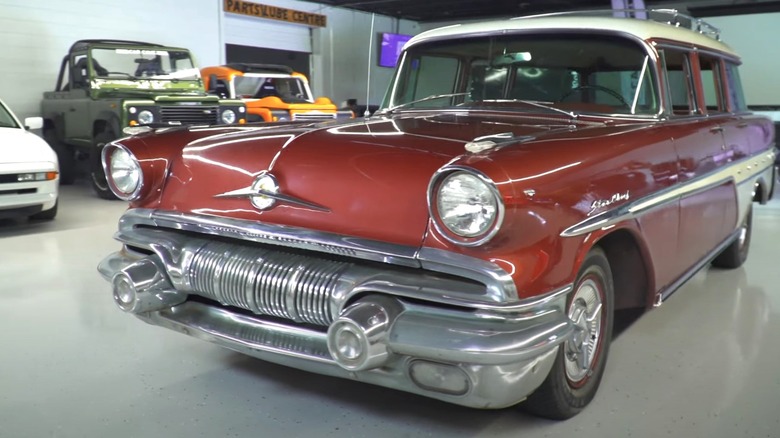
(73, 365)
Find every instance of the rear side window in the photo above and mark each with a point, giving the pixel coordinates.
(712, 84)
(734, 88)
(678, 74)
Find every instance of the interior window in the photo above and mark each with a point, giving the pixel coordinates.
(734, 88)
(711, 84)
(678, 73)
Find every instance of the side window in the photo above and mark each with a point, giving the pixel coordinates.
(734, 88)
(79, 72)
(431, 75)
(680, 85)
(712, 84)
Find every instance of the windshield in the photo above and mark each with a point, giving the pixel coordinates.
(580, 73)
(137, 64)
(6, 119)
(287, 88)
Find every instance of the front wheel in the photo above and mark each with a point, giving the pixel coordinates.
(96, 173)
(579, 364)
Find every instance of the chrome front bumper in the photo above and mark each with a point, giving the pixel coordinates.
(484, 356)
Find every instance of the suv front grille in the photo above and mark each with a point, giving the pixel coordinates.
(190, 114)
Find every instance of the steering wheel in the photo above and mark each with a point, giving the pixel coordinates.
(609, 91)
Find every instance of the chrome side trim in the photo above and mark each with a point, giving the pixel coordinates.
(739, 172)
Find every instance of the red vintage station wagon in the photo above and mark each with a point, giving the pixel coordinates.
(470, 242)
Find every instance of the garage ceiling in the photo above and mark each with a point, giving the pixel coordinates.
(447, 10)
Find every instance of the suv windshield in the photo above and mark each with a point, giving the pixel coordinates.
(6, 119)
(139, 64)
(578, 72)
(287, 88)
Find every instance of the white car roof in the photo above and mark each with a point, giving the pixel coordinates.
(642, 29)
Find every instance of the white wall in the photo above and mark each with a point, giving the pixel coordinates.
(341, 55)
(755, 37)
(36, 35)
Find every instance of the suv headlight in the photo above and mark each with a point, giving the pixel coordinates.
(123, 171)
(145, 117)
(465, 205)
(228, 116)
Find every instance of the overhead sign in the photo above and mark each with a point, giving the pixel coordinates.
(274, 13)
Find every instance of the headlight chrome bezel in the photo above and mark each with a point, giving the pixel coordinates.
(107, 157)
(434, 190)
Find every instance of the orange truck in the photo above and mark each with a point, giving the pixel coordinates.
(271, 92)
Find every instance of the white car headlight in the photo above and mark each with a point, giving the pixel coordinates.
(228, 117)
(124, 173)
(145, 117)
(468, 206)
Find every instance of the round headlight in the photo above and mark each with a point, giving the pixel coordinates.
(145, 117)
(468, 205)
(228, 117)
(124, 173)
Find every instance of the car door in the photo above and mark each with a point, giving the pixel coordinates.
(78, 129)
(706, 200)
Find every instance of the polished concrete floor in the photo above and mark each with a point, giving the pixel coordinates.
(705, 364)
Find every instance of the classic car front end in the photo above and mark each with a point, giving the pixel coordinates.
(471, 242)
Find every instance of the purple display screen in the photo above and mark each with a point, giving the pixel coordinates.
(390, 49)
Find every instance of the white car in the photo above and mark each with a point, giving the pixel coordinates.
(29, 171)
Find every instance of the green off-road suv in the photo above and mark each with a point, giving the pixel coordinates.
(105, 86)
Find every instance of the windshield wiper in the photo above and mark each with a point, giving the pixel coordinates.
(424, 99)
(537, 104)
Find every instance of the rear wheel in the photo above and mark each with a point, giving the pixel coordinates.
(579, 364)
(96, 173)
(65, 156)
(736, 253)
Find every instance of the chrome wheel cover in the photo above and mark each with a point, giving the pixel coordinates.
(743, 232)
(585, 313)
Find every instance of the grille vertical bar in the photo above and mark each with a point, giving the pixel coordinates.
(274, 283)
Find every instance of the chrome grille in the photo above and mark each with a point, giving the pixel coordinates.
(313, 116)
(190, 114)
(274, 283)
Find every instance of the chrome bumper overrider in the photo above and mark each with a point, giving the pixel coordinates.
(380, 332)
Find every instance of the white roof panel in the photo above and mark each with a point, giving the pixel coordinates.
(642, 29)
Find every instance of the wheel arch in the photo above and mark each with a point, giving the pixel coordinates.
(631, 267)
(106, 120)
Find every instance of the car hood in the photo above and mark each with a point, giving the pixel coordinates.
(366, 179)
(20, 146)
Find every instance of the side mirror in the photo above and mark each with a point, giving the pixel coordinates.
(33, 123)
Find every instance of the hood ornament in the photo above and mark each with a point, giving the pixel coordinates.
(264, 193)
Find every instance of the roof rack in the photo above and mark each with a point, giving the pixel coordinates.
(671, 17)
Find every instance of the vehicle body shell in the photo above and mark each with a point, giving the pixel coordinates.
(324, 224)
(23, 154)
